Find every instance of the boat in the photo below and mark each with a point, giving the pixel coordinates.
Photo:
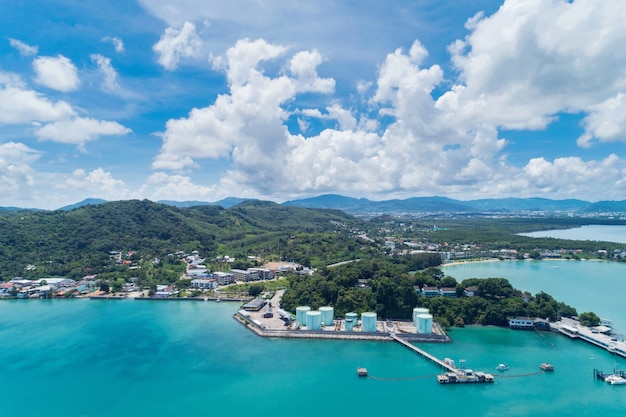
(502, 367)
(615, 379)
(546, 366)
(361, 371)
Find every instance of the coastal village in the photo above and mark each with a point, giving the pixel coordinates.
(265, 317)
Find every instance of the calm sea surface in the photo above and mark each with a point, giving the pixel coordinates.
(101, 358)
(590, 232)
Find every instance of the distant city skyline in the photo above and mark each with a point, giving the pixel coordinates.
(282, 100)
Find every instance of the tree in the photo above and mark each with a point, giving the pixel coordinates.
(589, 319)
(104, 286)
(255, 289)
(117, 285)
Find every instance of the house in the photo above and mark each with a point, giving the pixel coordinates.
(524, 323)
(448, 292)
(430, 291)
(470, 291)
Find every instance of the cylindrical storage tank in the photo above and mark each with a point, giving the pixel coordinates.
(301, 314)
(416, 311)
(425, 323)
(328, 315)
(351, 320)
(368, 322)
(313, 320)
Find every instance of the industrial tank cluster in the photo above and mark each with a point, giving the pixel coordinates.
(423, 320)
(314, 320)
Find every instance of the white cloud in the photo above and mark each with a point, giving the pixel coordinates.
(161, 186)
(18, 106)
(57, 73)
(23, 48)
(117, 43)
(518, 68)
(108, 72)
(606, 122)
(79, 130)
(531, 60)
(98, 182)
(176, 44)
(16, 174)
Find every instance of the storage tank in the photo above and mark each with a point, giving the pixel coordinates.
(313, 320)
(424, 323)
(416, 311)
(368, 322)
(328, 315)
(351, 320)
(301, 314)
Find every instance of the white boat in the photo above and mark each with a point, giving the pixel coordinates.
(502, 367)
(615, 379)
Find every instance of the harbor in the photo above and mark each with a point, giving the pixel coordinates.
(600, 336)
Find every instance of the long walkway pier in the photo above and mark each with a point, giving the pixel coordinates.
(424, 353)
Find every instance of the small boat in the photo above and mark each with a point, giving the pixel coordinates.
(502, 367)
(615, 379)
(546, 366)
(361, 371)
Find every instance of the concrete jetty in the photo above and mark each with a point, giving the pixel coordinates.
(424, 353)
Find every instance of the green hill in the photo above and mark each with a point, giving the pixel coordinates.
(79, 241)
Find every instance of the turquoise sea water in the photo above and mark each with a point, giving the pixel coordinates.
(604, 233)
(101, 358)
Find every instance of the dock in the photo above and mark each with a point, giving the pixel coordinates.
(424, 353)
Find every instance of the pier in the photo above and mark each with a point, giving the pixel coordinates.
(424, 353)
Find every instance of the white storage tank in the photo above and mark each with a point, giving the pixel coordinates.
(301, 314)
(328, 315)
(368, 322)
(425, 323)
(416, 311)
(313, 320)
(351, 320)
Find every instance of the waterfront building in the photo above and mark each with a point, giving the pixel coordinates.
(521, 323)
(254, 305)
(204, 283)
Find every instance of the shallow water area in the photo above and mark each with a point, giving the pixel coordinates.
(109, 358)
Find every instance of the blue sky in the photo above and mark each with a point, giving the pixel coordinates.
(201, 100)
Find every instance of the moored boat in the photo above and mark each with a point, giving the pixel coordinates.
(502, 367)
(615, 379)
(546, 366)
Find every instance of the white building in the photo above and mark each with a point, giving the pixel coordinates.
(204, 283)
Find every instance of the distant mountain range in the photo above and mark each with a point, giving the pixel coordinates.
(414, 205)
(441, 205)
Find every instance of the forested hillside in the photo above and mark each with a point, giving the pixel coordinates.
(73, 243)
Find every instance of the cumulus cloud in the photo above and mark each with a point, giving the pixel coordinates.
(16, 174)
(107, 187)
(162, 186)
(108, 72)
(57, 73)
(246, 124)
(117, 43)
(19, 105)
(420, 132)
(79, 130)
(176, 44)
(23, 48)
(531, 60)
